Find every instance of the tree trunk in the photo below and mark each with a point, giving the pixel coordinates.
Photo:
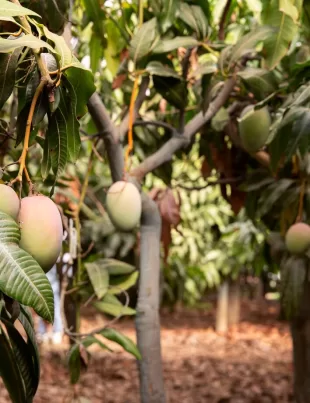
(300, 330)
(234, 302)
(222, 308)
(147, 320)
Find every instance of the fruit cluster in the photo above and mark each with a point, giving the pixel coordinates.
(40, 225)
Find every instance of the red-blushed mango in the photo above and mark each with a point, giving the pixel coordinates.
(254, 128)
(124, 205)
(297, 238)
(41, 230)
(9, 201)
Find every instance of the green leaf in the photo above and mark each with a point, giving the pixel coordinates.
(248, 42)
(61, 48)
(99, 277)
(9, 9)
(116, 267)
(272, 194)
(67, 105)
(56, 14)
(95, 52)
(277, 45)
(122, 340)
(158, 69)
(168, 14)
(74, 356)
(23, 357)
(21, 277)
(112, 306)
(9, 370)
(96, 15)
(288, 7)
(28, 325)
(194, 17)
(30, 41)
(143, 40)
(83, 83)
(260, 82)
(58, 143)
(168, 45)
(123, 283)
(8, 65)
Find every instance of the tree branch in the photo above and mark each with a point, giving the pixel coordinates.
(166, 152)
(123, 128)
(156, 123)
(110, 137)
(221, 34)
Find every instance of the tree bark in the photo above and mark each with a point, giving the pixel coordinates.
(234, 302)
(300, 330)
(222, 308)
(147, 319)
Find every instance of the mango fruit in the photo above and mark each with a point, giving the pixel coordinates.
(297, 238)
(254, 128)
(41, 230)
(124, 205)
(9, 201)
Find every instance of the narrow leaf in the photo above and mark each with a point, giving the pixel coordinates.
(143, 40)
(99, 277)
(122, 340)
(123, 283)
(30, 41)
(8, 64)
(9, 9)
(168, 45)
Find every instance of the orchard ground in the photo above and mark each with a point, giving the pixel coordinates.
(252, 364)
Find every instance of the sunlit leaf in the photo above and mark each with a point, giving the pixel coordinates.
(99, 277)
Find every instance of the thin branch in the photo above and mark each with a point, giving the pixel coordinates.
(109, 135)
(221, 34)
(166, 152)
(123, 128)
(156, 123)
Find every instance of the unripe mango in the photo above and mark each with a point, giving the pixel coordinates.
(254, 128)
(124, 205)
(41, 230)
(9, 201)
(297, 238)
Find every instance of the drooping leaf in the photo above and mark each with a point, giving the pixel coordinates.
(62, 50)
(168, 45)
(56, 14)
(8, 64)
(113, 310)
(123, 283)
(68, 105)
(96, 15)
(21, 277)
(23, 357)
(158, 69)
(168, 14)
(9, 370)
(195, 18)
(122, 340)
(30, 41)
(74, 356)
(57, 143)
(272, 194)
(143, 40)
(28, 325)
(260, 82)
(82, 81)
(116, 267)
(248, 42)
(9, 9)
(99, 277)
(95, 52)
(277, 44)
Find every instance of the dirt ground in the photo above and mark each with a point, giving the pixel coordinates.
(253, 364)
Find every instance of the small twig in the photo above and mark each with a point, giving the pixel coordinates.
(98, 330)
(156, 123)
(221, 34)
(88, 250)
